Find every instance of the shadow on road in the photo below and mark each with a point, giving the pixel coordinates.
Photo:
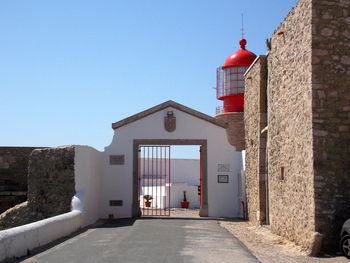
(52, 244)
(102, 223)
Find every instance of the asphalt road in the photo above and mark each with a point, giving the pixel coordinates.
(149, 241)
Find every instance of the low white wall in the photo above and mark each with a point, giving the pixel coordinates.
(185, 170)
(88, 171)
(161, 196)
(176, 192)
(15, 242)
(181, 170)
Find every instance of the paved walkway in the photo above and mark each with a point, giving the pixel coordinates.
(150, 240)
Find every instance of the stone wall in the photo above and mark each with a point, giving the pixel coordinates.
(13, 175)
(255, 121)
(290, 140)
(51, 186)
(235, 128)
(308, 142)
(331, 116)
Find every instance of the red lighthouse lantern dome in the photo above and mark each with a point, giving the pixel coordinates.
(230, 79)
(241, 57)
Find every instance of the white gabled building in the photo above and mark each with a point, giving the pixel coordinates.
(167, 124)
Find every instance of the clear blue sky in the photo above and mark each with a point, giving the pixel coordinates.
(68, 69)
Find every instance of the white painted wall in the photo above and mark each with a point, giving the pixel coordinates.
(185, 170)
(184, 175)
(161, 195)
(242, 195)
(88, 176)
(176, 193)
(117, 179)
(181, 170)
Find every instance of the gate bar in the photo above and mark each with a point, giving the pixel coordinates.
(169, 184)
(156, 170)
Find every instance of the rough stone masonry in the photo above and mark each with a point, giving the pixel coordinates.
(331, 115)
(13, 175)
(308, 153)
(255, 114)
(51, 186)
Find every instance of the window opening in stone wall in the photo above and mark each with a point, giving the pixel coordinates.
(282, 173)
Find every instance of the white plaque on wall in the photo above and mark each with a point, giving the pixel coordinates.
(222, 178)
(223, 167)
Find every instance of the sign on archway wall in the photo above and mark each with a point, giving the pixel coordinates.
(154, 180)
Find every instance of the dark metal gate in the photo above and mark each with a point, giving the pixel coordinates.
(154, 180)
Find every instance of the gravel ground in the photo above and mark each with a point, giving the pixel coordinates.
(183, 212)
(265, 246)
(270, 248)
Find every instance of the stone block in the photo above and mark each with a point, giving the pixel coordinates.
(51, 186)
(13, 173)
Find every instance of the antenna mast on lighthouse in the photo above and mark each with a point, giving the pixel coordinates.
(230, 89)
(242, 28)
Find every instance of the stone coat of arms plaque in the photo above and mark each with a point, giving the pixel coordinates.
(170, 122)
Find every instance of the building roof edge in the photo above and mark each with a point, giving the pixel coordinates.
(164, 105)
